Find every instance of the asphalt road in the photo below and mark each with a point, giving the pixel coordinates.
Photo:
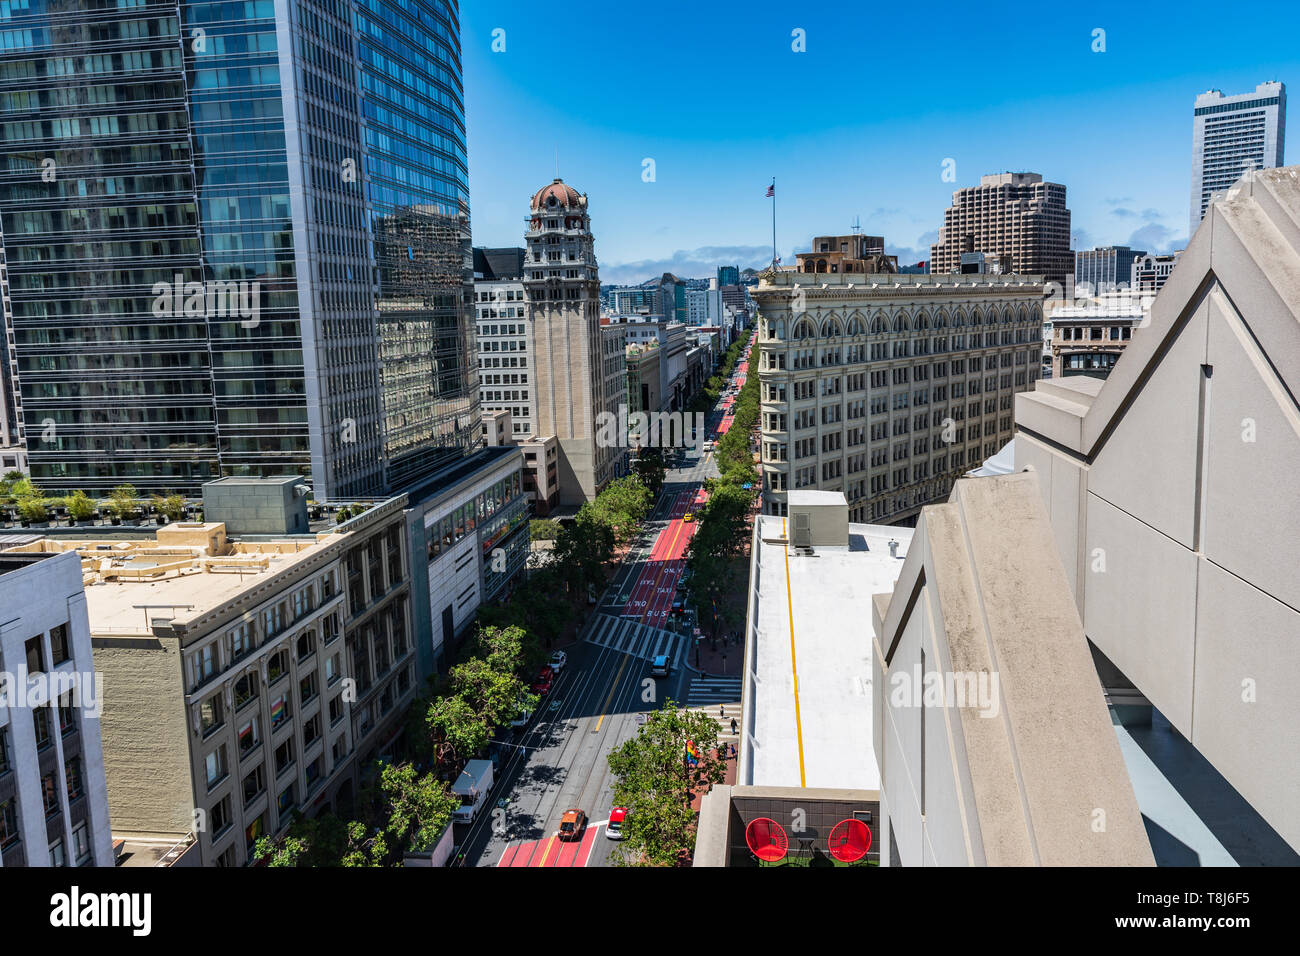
(559, 760)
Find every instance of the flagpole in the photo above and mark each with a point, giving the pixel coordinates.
(773, 223)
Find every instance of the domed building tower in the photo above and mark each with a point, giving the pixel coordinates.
(562, 287)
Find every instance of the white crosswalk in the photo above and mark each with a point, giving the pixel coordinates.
(636, 639)
(714, 690)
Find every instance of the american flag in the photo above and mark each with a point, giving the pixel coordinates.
(771, 191)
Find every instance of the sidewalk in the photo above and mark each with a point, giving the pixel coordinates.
(728, 660)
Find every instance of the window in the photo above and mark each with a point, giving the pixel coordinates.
(283, 757)
(254, 784)
(57, 855)
(220, 818)
(211, 715)
(203, 664)
(9, 834)
(249, 738)
(332, 669)
(50, 793)
(215, 763)
(254, 831)
(311, 731)
(67, 714)
(277, 666)
(35, 655)
(280, 711)
(306, 645)
(307, 689)
(81, 843)
(60, 645)
(41, 720)
(241, 640)
(286, 800)
(4, 750)
(336, 709)
(245, 690)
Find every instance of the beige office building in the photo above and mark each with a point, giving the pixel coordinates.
(1014, 216)
(889, 387)
(562, 286)
(245, 679)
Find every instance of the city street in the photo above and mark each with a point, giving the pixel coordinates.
(559, 761)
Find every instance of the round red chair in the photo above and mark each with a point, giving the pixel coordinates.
(849, 841)
(766, 840)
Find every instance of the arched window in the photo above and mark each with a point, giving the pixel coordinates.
(878, 324)
(803, 330)
(958, 319)
(855, 326)
(941, 321)
(977, 318)
(902, 324)
(831, 329)
(821, 265)
(922, 322)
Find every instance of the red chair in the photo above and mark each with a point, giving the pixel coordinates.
(766, 840)
(849, 840)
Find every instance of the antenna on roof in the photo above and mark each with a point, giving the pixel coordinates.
(857, 225)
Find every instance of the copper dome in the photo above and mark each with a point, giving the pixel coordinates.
(564, 195)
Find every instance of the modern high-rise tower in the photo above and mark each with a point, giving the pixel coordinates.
(562, 284)
(1014, 216)
(238, 242)
(1231, 135)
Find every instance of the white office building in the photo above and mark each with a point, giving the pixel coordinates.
(1231, 135)
(53, 796)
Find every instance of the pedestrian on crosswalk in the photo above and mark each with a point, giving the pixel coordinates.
(733, 725)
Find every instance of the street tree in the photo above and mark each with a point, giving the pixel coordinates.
(658, 773)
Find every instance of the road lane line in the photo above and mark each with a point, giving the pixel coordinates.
(605, 707)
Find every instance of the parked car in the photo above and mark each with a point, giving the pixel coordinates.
(558, 660)
(572, 824)
(542, 683)
(524, 717)
(614, 830)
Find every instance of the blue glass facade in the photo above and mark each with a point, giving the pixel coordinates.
(216, 266)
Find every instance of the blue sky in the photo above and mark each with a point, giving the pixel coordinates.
(857, 125)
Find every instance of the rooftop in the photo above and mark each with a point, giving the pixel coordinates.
(826, 596)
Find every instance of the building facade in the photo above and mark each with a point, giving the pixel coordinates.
(562, 288)
(1148, 273)
(1232, 135)
(53, 798)
(241, 277)
(889, 390)
(504, 368)
(1105, 269)
(853, 253)
(1088, 338)
(1015, 216)
(252, 677)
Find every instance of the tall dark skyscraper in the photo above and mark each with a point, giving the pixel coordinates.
(238, 241)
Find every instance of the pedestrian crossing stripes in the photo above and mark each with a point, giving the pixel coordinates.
(628, 636)
(714, 690)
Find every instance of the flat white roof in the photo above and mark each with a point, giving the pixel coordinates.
(827, 595)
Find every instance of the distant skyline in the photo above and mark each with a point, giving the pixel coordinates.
(716, 97)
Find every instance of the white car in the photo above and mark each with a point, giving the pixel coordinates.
(558, 660)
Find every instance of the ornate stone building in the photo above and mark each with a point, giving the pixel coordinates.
(562, 287)
(889, 387)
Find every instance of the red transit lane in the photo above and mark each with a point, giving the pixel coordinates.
(551, 851)
(651, 600)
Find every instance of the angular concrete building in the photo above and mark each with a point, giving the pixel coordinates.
(1171, 490)
(990, 729)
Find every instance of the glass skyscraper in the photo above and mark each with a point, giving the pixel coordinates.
(238, 240)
